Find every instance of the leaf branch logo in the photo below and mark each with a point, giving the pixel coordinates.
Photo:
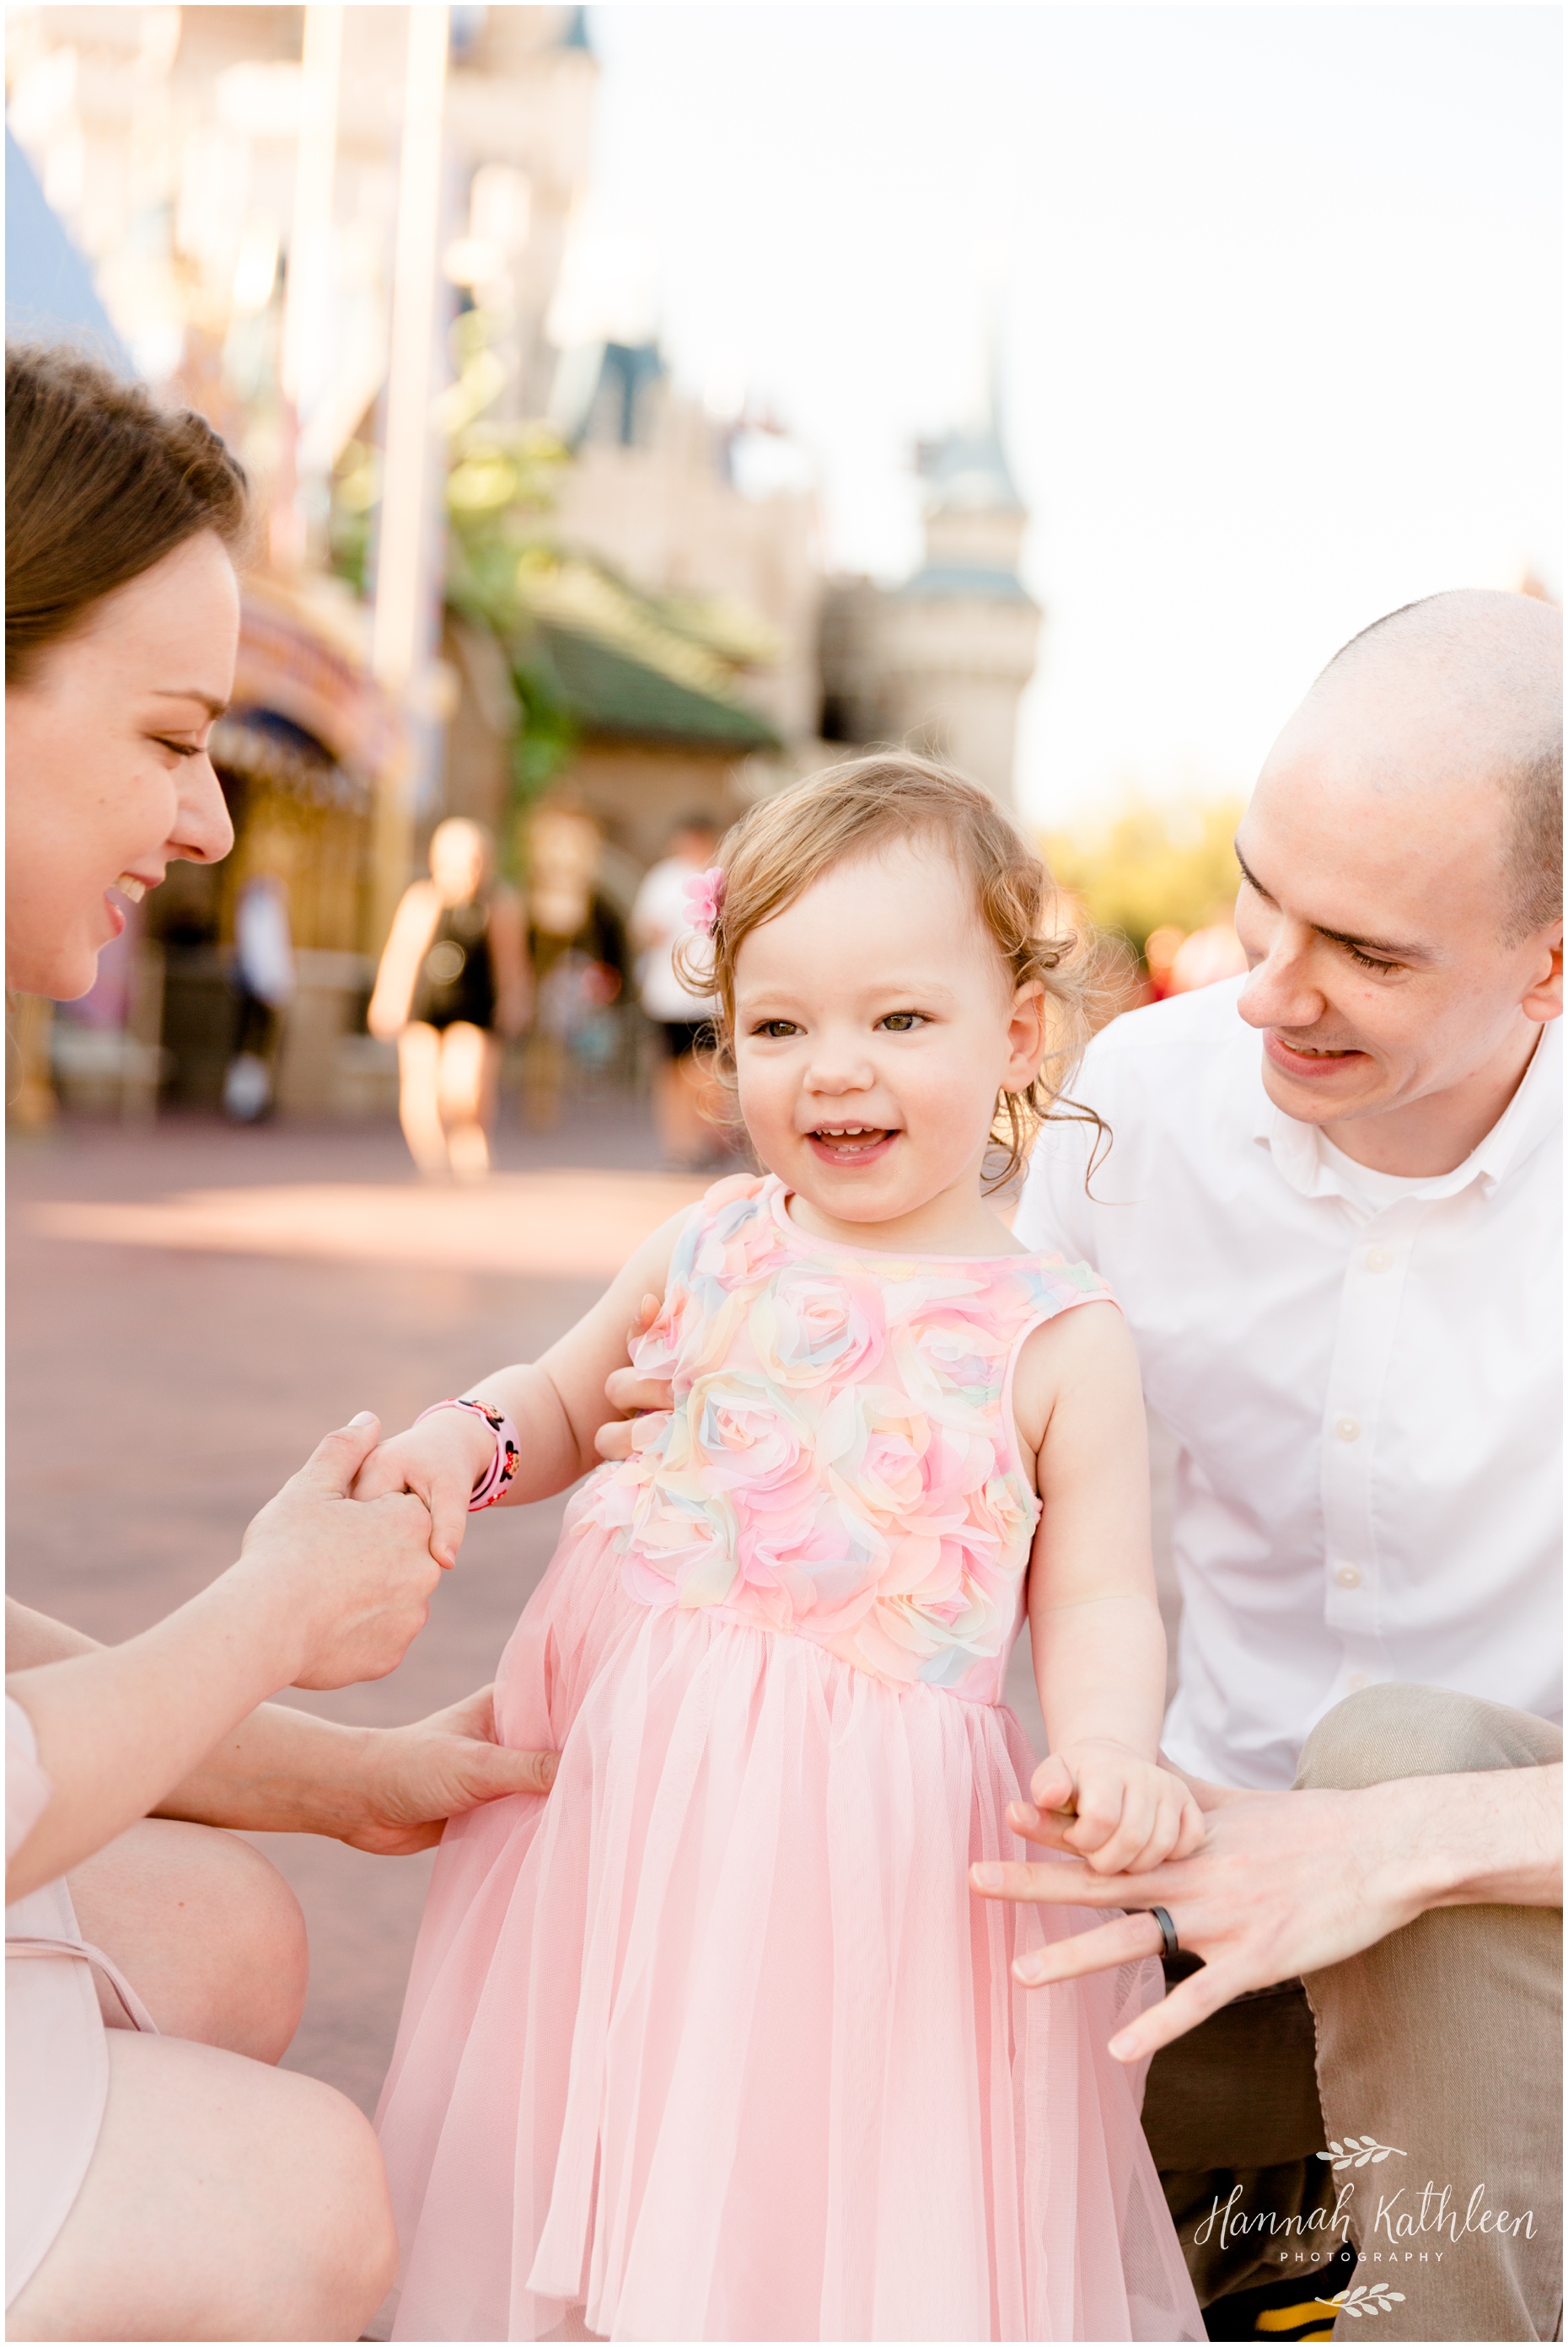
(1360, 2151)
(1378, 2300)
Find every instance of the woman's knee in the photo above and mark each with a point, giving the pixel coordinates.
(224, 2200)
(205, 1929)
(1399, 1730)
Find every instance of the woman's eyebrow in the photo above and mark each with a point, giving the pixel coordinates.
(190, 693)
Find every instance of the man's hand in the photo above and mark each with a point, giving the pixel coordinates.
(416, 1777)
(1282, 1883)
(1115, 1808)
(630, 1396)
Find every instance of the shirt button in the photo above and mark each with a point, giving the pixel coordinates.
(1378, 1258)
(1349, 1429)
(1348, 1577)
(1357, 1681)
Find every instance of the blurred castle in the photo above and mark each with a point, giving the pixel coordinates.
(940, 663)
(612, 601)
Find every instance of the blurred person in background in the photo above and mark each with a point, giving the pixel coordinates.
(685, 1097)
(163, 2179)
(452, 985)
(577, 950)
(264, 980)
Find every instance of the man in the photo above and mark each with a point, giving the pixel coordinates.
(1332, 1222)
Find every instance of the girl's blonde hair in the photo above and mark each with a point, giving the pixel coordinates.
(787, 842)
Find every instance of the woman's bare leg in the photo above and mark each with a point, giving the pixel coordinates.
(206, 1931)
(469, 1063)
(418, 1099)
(224, 2200)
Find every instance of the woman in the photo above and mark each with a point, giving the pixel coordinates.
(163, 2181)
(453, 983)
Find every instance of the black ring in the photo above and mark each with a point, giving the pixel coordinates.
(1169, 1944)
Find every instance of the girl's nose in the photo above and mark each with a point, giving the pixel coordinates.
(203, 833)
(834, 1071)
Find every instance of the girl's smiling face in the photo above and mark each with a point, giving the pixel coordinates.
(875, 1023)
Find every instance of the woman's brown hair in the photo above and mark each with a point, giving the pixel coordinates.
(100, 484)
(786, 842)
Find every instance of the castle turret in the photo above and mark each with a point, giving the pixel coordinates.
(940, 663)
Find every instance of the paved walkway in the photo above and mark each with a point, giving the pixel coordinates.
(191, 1308)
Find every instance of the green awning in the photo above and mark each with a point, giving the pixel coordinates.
(607, 692)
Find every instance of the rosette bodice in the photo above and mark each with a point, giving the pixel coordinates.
(840, 1463)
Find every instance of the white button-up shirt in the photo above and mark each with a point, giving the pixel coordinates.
(1362, 1375)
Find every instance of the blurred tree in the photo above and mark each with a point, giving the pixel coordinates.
(1156, 865)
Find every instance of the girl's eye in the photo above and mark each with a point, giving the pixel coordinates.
(180, 749)
(775, 1028)
(902, 1023)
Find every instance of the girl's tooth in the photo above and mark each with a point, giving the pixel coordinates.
(133, 888)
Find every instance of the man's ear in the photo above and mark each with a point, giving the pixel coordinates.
(1544, 1000)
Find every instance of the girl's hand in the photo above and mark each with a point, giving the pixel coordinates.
(441, 1460)
(1109, 1805)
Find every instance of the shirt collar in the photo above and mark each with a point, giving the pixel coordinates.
(1532, 1114)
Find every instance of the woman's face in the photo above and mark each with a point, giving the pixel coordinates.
(107, 779)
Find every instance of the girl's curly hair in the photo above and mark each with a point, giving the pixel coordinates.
(786, 842)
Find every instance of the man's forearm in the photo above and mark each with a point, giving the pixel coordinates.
(1487, 1839)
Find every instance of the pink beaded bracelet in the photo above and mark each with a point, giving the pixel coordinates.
(495, 1481)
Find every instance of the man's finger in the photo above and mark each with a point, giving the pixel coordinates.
(339, 1456)
(1121, 1943)
(1067, 1883)
(624, 1391)
(1190, 2002)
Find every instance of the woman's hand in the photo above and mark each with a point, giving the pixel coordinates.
(325, 1593)
(415, 1777)
(441, 1462)
(1108, 1804)
(348, 1588)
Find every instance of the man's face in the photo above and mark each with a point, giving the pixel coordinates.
(1371, 909)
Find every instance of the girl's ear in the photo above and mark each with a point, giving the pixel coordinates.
(1029, 1037)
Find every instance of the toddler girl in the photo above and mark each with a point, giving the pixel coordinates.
(714, 2043)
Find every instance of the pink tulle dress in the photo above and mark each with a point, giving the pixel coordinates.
(716, 2042)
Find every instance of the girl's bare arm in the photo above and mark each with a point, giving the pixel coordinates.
(556, 1403)
(1094, 1620)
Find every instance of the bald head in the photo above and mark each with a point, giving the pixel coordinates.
(1464, 692)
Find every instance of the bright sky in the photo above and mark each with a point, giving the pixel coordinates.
(1279, 291)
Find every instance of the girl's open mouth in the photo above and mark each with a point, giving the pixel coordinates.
(851, 1144)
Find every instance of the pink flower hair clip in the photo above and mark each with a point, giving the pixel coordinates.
(705, 898)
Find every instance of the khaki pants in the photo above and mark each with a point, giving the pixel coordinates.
(1443, 2041)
